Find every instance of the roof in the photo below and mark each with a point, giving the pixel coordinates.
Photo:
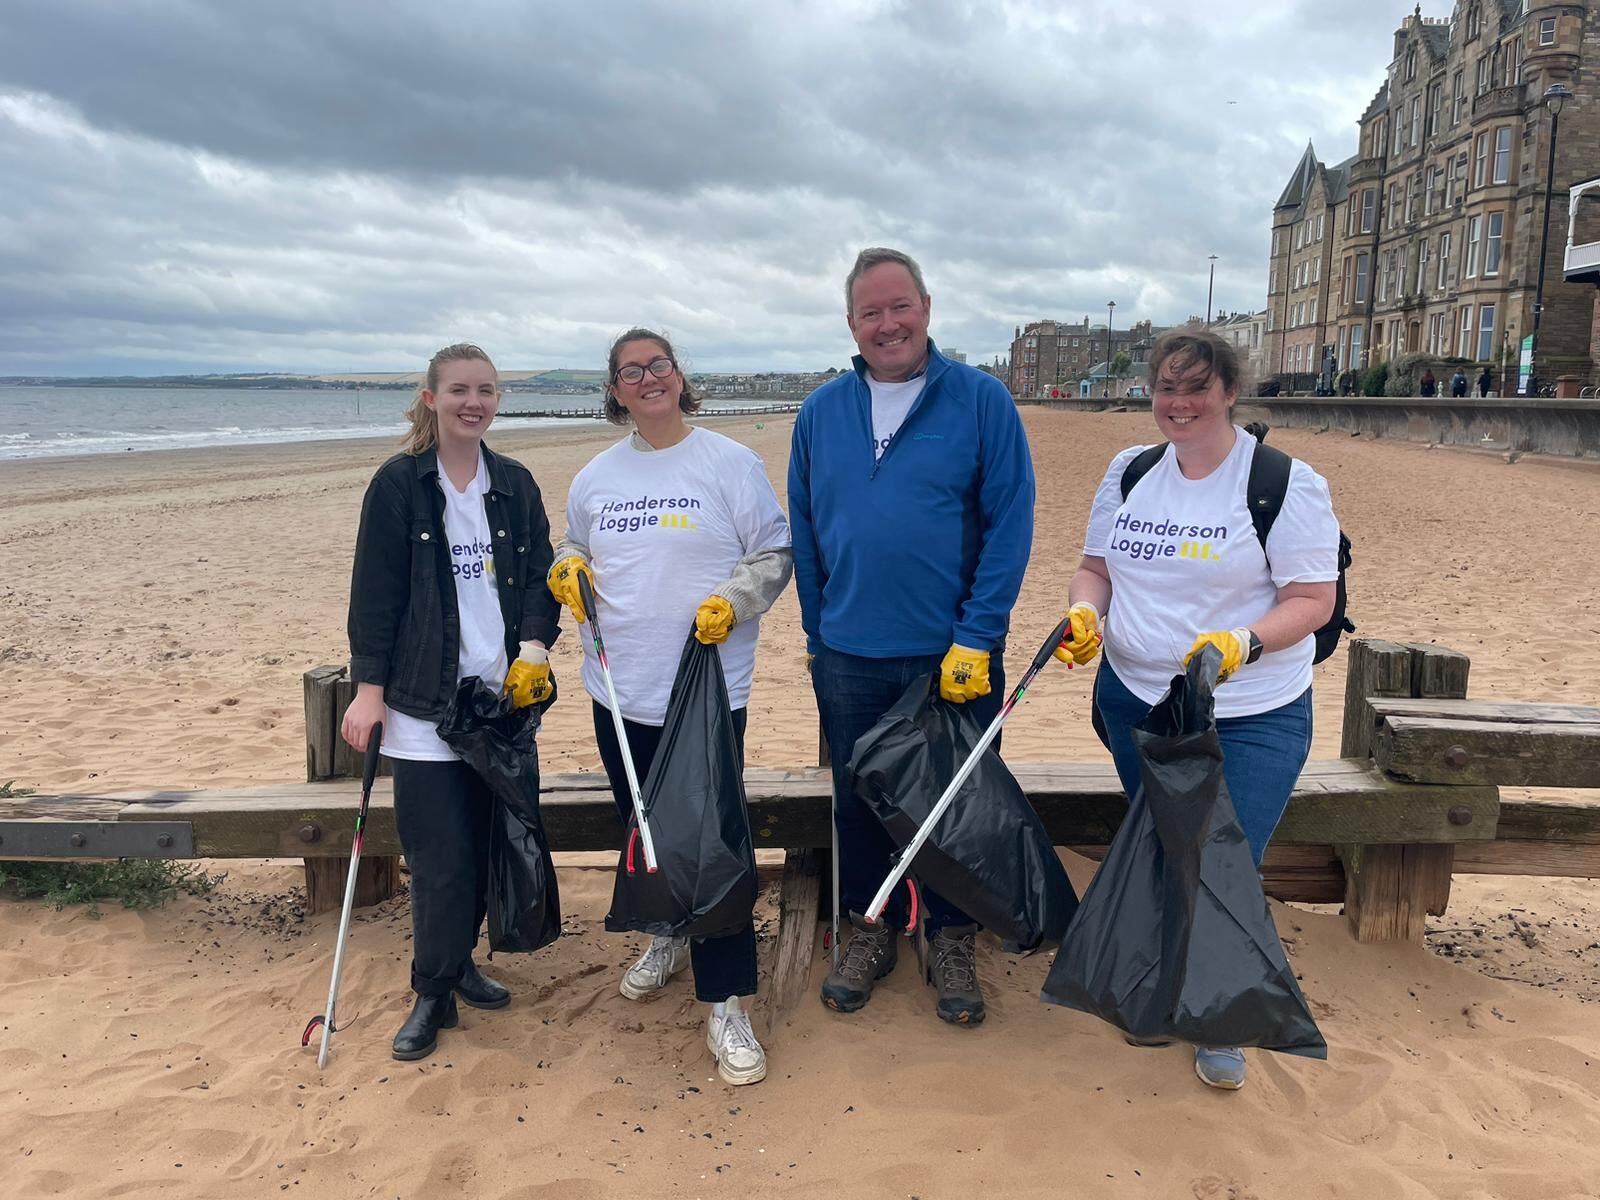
(1379, 104)
(1299, 185)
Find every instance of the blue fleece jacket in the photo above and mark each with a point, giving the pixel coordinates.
(927, 546)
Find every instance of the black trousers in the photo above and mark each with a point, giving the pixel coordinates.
(723, 966)
(442, 812)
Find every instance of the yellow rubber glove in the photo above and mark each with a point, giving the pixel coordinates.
(964, 674)
(1082, 642)
(713, 620)
(563, 583)
(528, 679)
(1234, 644)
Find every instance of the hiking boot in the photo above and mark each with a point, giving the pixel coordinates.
(420, 1033)
(867, 957)
(740, 1058)
(1222, 1068)
(953, 971)
(662, 959)
(477, 989)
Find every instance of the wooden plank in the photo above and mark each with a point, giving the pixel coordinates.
(796, 950)
(322, 719)
(1580, 860)
(1080, 804)
(1553, 819)
(1373, 668)
(1437, 750)
(1515, 712)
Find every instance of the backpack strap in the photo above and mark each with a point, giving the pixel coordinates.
(1140, 466)
(1266, 488)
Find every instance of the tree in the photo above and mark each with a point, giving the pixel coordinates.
(1121, 365)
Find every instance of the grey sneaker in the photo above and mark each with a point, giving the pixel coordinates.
(953, 971)
(662, 959)
(867, 957)
(1223, 1068)
(732, 1042)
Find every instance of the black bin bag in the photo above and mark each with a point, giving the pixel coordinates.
(693, 801)
(989, 854)
(1175, 938)
(497, 741)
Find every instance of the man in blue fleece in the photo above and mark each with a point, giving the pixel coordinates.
(911, 503)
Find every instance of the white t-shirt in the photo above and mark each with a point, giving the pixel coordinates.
(483, 626)
(663, 528)
(890, 404)
(1184, 560)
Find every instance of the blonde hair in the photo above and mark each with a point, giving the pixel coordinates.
(424, 432)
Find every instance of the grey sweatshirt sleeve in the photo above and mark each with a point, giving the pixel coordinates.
(758, 580)
(568, 546)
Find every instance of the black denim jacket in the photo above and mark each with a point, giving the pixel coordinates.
(405, 631)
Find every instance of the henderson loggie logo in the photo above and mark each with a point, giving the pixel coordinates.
(649, 512)
(1167, 538)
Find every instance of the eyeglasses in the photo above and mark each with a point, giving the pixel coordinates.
(659, 367)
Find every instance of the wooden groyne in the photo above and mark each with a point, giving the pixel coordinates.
(596, 414)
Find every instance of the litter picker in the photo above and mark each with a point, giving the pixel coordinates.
(903, 862)
(586, 594)
(369, 769)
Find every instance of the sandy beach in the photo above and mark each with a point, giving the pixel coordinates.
(158, 610)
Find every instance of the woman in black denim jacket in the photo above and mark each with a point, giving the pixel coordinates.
(449, 581)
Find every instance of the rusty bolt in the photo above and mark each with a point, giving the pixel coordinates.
(164, 841)
(1457, 757)
(1460, 814)
(310, 832)
(78, 841)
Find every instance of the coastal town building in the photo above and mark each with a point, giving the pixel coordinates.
(1427, 238)
(1056, 355)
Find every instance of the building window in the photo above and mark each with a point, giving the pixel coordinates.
(1464, 345)
(1485, 73)
(1319, 222)
(1444, 258)
(1313, 318)
(1416, 120)
(1361, 278)
(1345, 282)
(1435, 101)
(1474, 22)
(1422, 266)
(1383, 278)
(1316, 270)
(1368, 199)
(1491, 252)
(1427, 191)
(1547, 31)
(1411, 64)
(1474, 236)
(1458, 100)
(1502, 154)
(1480, 163)
(1394, 204)
(1355, 345)
(1485, 331)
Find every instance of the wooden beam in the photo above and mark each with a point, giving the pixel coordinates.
(1389, 890)
(796, 950)
(1373, 668)
(1517, 754)
(322, 720)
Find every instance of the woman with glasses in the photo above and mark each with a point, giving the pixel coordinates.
(677, 529)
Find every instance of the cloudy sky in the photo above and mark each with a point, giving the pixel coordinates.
(195, 185)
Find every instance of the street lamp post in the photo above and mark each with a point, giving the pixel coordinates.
(1111, 308)
(1555, 96)
(1210, 283)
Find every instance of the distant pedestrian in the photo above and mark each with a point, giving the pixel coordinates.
(1485, 381)
(1458, 384)
(1430, 385)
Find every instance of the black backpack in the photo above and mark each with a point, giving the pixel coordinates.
(1267, 486)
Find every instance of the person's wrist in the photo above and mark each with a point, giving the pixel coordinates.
(1250, 643)
(1084, 604)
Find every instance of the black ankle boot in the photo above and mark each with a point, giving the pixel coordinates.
(477, 989)
(420, 1033)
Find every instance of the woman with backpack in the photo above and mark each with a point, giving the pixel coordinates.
(1173, 562)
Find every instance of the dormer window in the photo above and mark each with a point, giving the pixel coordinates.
(1474, 22)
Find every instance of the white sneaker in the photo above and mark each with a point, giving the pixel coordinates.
(663, 959)
(740, 1058)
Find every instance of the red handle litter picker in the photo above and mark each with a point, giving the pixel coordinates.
(369, 770)
(903, 863)
(586, 594)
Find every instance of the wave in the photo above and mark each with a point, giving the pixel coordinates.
(111, 441)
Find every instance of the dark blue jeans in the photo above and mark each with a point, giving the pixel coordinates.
(723, 966)
(852, 694)
(1261, 754)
